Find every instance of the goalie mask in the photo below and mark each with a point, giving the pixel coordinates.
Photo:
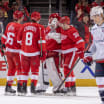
(53, 19)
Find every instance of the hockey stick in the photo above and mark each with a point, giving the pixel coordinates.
(1, 46)
(46, 83)
(67, 75)
(4, 56)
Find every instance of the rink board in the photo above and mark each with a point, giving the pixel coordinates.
(79, 82)
(84, 74)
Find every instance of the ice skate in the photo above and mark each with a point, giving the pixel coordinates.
(71, 91)
(19, 89)
(61, 92)
(24, 89)
(34, 91)
(9, 91)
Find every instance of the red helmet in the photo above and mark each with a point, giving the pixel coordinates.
(94, 4)
(65, 19)
(17, 14)
(54, 15)
(35, 16)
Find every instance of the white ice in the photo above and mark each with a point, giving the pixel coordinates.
(85, 95)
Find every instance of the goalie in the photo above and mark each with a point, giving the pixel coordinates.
(53, 42)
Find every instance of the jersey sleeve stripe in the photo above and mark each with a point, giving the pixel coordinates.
(80, 41)
(4, 36)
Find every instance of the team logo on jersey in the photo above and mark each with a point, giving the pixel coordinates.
(53, 36)
(76, 34)
(63, 37)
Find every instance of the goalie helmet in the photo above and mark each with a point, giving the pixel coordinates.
(17, 14)
(65, 20)
(35, 16)
(96, 11)
(54, 15)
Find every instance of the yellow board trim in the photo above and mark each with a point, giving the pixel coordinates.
(85, 82)
(79, 82)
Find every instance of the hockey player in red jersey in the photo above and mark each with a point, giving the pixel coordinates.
(12, 51)
(53, 43)
(72, 46)
(31, 37)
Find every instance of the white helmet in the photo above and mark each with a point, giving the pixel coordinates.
(96, 11)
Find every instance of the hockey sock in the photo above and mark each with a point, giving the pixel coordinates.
(34, 81)
(9, 83)
(102, 95)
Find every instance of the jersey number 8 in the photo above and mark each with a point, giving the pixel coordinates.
(29, 36)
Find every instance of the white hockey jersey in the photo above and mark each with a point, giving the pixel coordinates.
(97, 47)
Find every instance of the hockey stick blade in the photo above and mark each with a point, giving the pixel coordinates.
(46, 83)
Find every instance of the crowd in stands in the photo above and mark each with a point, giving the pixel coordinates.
(81, 9)
(8, 7)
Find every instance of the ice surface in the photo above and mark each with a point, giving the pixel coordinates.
(85, 95)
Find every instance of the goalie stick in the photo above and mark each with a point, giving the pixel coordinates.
(44, 82)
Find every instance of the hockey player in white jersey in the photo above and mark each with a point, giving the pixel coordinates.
(97, 48)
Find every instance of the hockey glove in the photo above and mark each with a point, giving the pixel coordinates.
(1, 52)
(43, 57)
(80, 54)
(3, 46)
(88, 60)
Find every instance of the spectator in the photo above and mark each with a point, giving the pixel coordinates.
(3, 23)
(97, 3)
(22, 8)
(3, 9)
(78, 5)
(13, 8)
(87, 35)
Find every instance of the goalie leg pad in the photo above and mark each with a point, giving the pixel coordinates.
(53, 73)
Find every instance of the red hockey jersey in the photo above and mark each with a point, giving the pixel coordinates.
(32, 39)
(10, 37)
(71, 41)
(53, 39)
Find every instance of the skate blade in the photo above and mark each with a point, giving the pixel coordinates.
(22, 94)
(9, 94)
(41, 93)
(70, 94)
(59, 94)
(54, 94)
